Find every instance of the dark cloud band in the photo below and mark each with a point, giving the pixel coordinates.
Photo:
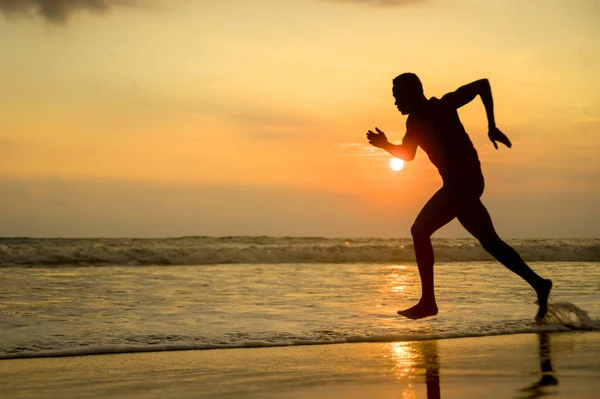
(57, 11)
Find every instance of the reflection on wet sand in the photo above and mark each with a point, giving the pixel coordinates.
(537, 390)
(429, 351)
(414, 358)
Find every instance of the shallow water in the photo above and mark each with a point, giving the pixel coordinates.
(77, 310)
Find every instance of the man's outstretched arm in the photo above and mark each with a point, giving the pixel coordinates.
(405, 151)
(467, 93)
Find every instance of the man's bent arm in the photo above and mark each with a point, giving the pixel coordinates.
(467, 93)
(404, 151)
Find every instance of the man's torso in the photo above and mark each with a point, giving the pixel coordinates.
(438, 131)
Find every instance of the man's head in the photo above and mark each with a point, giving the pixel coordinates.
(408, 92)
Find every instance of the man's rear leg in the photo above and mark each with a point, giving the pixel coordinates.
(506, 255)
(477, 221)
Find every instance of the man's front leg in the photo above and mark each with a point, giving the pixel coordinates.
(425, 259)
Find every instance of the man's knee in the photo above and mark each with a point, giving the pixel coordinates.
(491, 242)
(419, 232)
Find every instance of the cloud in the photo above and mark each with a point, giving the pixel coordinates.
(381, 3)
(111, 208)
(591, 119)
(277, 135)
(239, 110)
(57, 11)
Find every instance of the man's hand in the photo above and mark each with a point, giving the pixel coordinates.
(378, 139)
(496, 135)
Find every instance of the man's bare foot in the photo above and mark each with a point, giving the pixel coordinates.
(543, 292)
(420, 310)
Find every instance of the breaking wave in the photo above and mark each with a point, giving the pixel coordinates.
(269, 250)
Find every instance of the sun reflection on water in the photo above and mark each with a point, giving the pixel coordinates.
(404, 356)
(399, 278)
(411, 362)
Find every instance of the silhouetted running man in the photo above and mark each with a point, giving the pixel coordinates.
(434, 126)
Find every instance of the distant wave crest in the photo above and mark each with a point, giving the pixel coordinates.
(269, 250)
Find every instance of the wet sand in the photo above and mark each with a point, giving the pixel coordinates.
(566, 365)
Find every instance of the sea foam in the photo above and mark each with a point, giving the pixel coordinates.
(35, 352)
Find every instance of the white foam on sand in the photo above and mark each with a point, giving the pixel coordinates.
(569, 321)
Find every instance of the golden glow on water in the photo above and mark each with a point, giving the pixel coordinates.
(390, 288)
(404, 355)
(413, 362)
(398, 279)
(409, 393)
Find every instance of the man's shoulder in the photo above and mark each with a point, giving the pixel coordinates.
(441, 101)
(445, 103)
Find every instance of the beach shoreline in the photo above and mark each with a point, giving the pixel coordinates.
(519, 365)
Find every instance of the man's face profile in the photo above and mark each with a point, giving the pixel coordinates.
(403, 100)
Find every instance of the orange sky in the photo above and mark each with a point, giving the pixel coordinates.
(271, 99)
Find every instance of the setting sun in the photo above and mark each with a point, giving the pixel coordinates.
(396, 164)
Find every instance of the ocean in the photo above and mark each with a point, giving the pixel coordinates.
(63, 296)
